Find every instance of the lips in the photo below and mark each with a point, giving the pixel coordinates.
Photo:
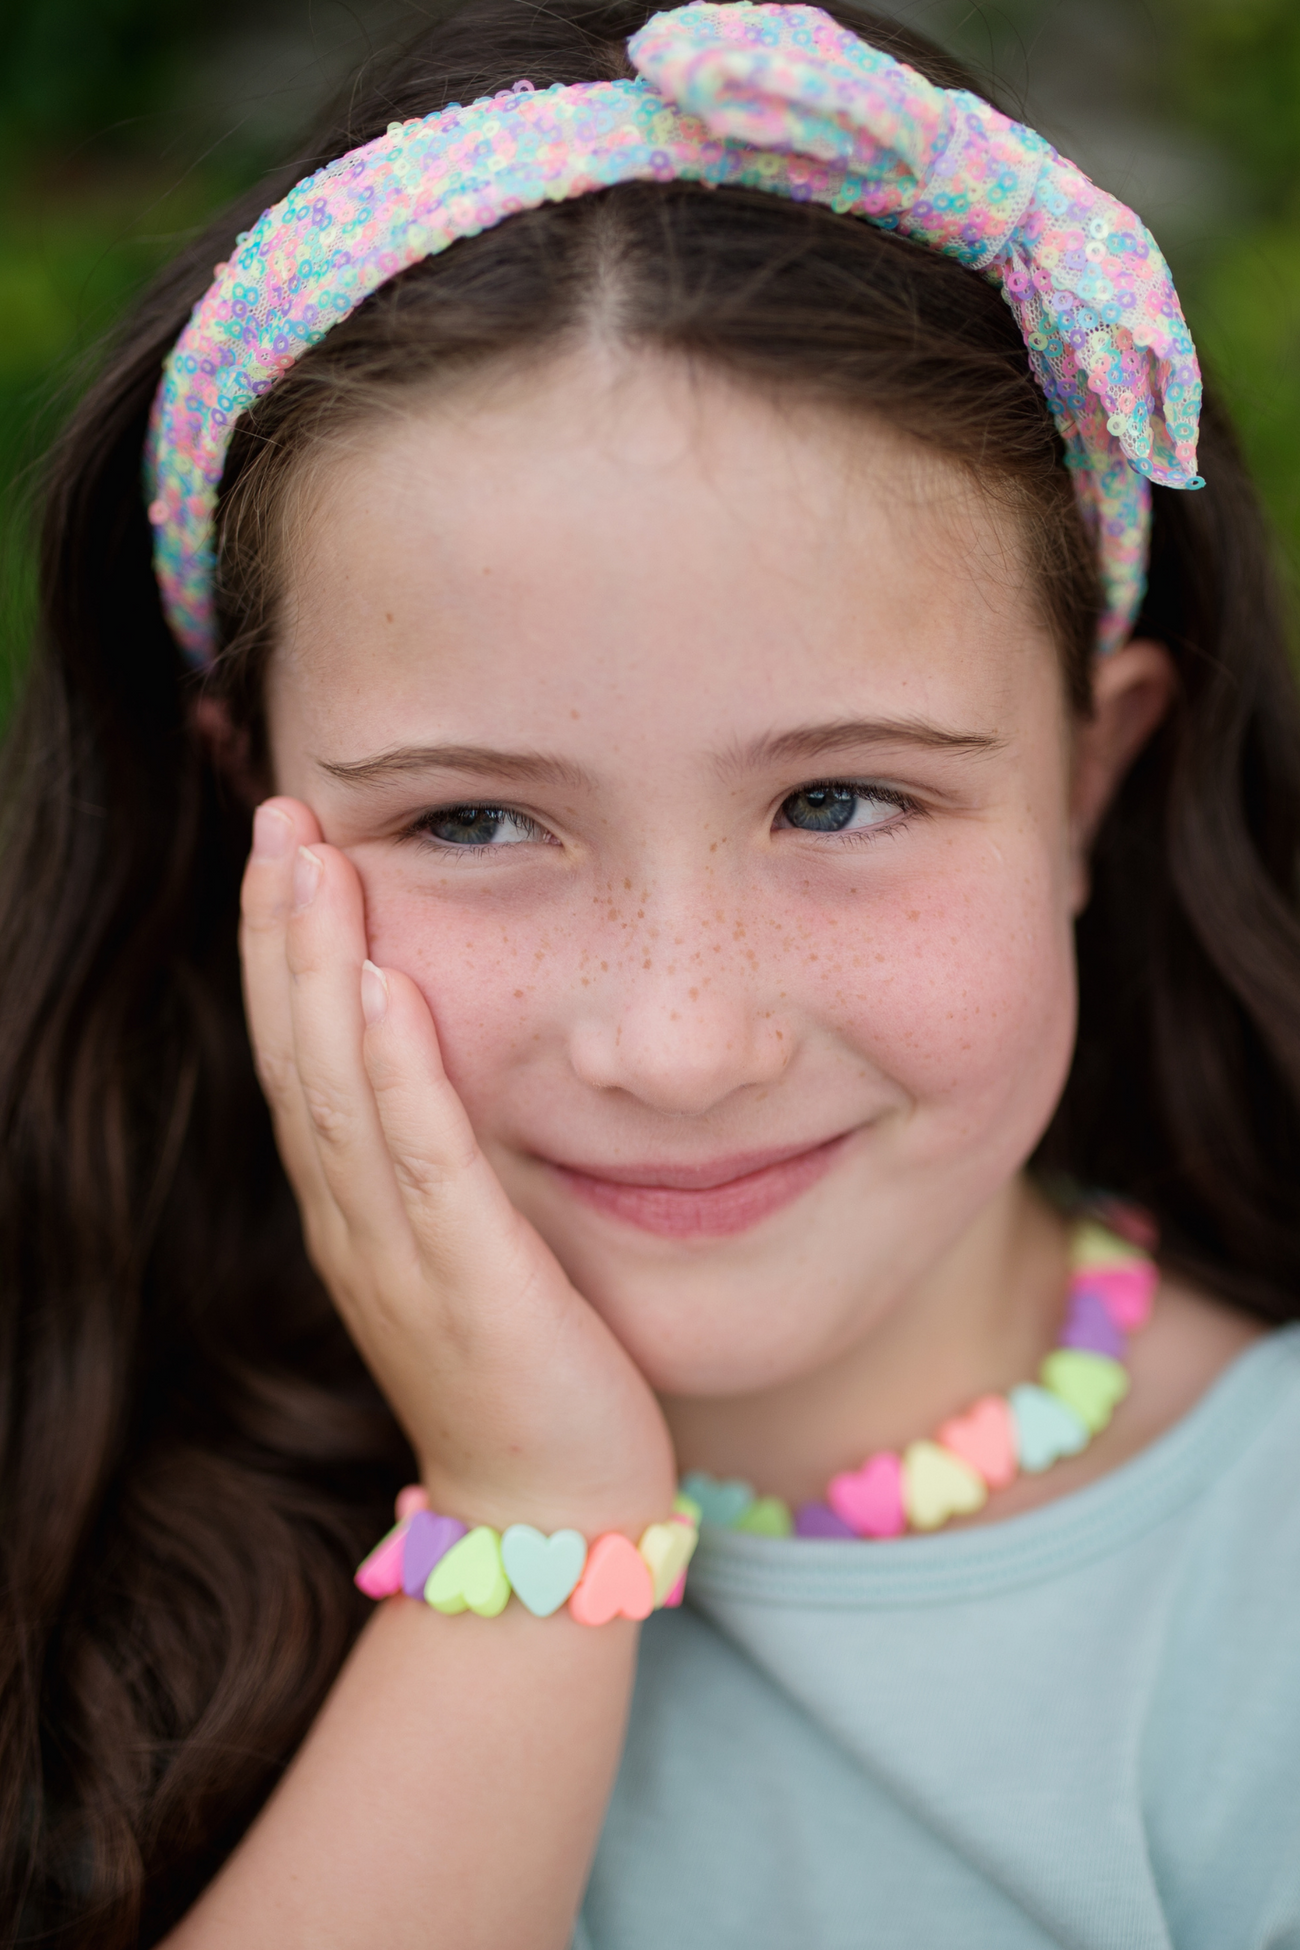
(703, 1201)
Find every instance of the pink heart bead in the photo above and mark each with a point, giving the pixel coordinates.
(380, 1576)
(1126, 1292)
(414, 1497)
(870, 1499)
(984, 1438)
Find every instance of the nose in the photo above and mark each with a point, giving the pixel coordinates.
(681, 1044)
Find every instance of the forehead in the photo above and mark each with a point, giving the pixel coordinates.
(630, 535)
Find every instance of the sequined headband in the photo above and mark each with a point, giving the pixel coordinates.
(774, 98)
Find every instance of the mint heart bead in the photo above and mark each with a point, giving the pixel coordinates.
(1045, 1428)
(543, 1570)
(720, 1503)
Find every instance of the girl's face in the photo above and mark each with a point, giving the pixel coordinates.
(706, 763)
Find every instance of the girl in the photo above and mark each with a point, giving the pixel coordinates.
(752, 799)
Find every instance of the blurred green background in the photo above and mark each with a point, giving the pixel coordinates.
(125, 123)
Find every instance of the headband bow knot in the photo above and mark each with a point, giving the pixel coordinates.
(770, 97)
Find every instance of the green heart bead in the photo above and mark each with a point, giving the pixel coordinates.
(1090, 1384)
(471, 1577)
(766, 1516)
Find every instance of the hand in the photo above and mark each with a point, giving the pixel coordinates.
(518, 1401)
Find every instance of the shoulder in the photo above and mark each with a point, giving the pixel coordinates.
(1222, 1731)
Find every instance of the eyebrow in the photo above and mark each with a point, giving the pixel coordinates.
(806, 742)
(855, 734)
(523, 768)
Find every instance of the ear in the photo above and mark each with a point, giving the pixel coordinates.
(227, 747)
(1132, 690)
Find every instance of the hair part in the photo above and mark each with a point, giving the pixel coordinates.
(192, 1456)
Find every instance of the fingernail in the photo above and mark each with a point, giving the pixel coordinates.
(374, 994)
(306, 877)
(272, 831)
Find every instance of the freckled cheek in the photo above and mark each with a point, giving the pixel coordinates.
(950, 992)
(491, 979)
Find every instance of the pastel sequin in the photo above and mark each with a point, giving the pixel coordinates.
(772, 98)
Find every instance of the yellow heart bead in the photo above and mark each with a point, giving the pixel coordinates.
(1095, 1245)
(938, 1485)
(667, 1549)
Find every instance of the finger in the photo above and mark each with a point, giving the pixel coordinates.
(473, 1243)
(280, 827)
(325, 945)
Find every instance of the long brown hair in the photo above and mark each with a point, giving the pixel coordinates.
(193, 1455)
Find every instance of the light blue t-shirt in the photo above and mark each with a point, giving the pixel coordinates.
(1079, 1727)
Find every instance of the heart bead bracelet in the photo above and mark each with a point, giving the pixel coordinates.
(1081, 1382)
(455, 1568)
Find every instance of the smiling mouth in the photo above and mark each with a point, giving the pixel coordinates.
(703, 1201)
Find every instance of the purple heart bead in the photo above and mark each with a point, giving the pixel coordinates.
(817, 1520)
(1090, 1326)
(428, 1539)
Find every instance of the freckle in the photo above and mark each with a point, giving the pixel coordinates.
(814, 958)
(672, 968)
(640, 914)
(574, 714)
(519, 995)
(673, 1017)
(628, 885)
(694, 995)
(645, 964)
(604, 968)
(714, 847)
(880, 957)
(780, 1035)
(388, 616)
(913, 917)
(585, 982)
(678, 940)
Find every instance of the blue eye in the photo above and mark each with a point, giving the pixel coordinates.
(478, 826)
(836, 806)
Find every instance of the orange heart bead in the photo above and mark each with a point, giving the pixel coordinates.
(984, 1438)
(616, 1583)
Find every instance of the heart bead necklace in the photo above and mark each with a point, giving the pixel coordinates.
(1112, 1284)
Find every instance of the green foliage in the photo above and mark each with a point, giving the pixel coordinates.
(1233, 72)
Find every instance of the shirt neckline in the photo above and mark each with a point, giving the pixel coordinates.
(1091, 1522)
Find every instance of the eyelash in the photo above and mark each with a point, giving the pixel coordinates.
(420, 829)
